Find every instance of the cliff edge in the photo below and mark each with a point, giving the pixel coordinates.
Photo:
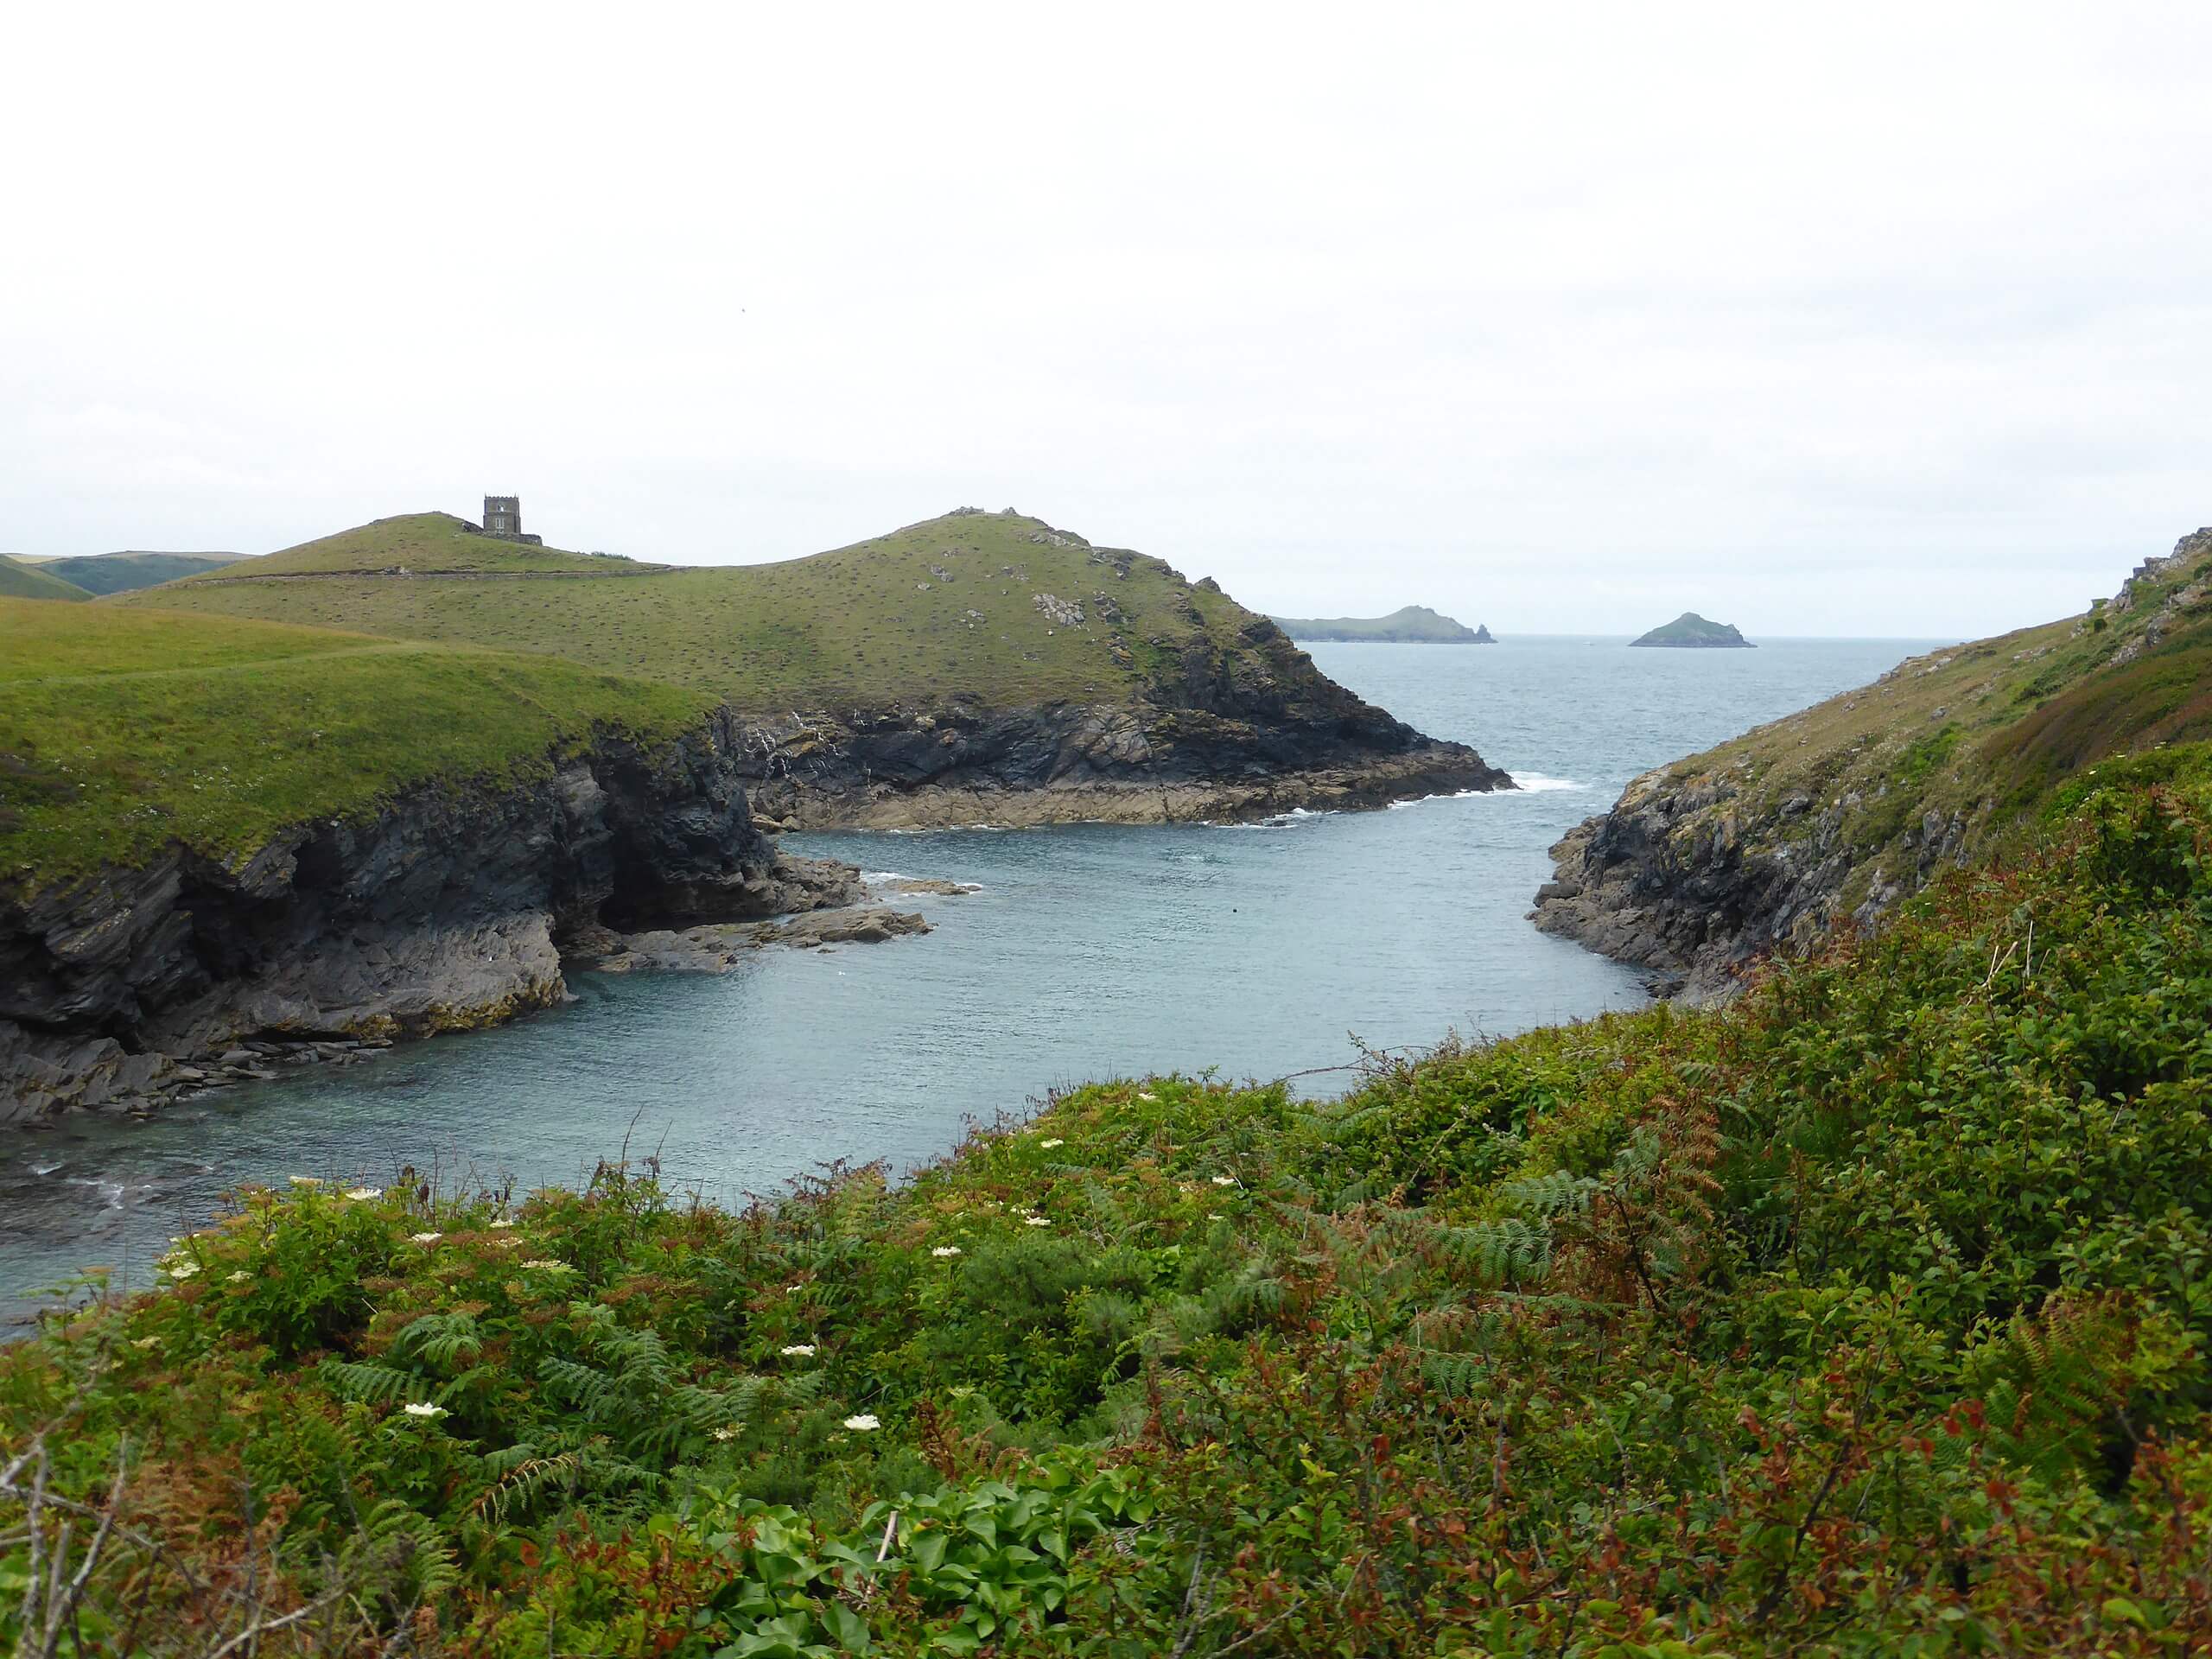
(1839, 812)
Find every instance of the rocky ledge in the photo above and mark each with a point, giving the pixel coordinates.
(454, 908)
(1073, 763)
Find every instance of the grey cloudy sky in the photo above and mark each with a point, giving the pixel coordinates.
(1873, 319)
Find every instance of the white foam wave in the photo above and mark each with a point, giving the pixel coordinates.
(1534, 783)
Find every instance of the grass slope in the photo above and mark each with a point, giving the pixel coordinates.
(1407, 623)
(1981, 733)
(122, 730)
(1867, 1317)
(19, 580)
(122, 573)
(971, 606)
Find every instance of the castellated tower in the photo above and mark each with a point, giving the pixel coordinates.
(503, 518)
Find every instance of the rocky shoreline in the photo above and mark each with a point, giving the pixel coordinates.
(453, 909)
(461, 908)
(1442, 769)
(1667, 882)
(1247, 754)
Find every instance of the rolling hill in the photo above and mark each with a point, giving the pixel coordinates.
(21, 581)
(1848, 806)
(122, 573)
(892, 680)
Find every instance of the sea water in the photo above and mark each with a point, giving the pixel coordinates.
(1089, 952)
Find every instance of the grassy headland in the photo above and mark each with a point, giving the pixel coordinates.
(122, 730)
(1839, 811)
(1865, 1316)
(995, 609)
(1408, 623)
(1983, 732)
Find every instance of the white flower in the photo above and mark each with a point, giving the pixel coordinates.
(503, 1221)
(181, 1270)
(1224, 1180)
(1214, 1215)
(863, 1423)
(725, 1433)
(305, 1180)
(425, 1238)
(423, 1408)
(794, 1290)
(240, 1276)
(364, 1193)
(507, 1243)
(799, 1350)
(551, 1265)
(944, 1250)
(1035, 1221)
(1054, 1141)
(147, 1342)
(1141, 1095)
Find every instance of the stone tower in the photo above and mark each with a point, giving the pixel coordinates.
(503, 516)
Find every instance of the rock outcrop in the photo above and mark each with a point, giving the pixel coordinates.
(1690, 632)
(1692, 882)
(450, 909)
(1836, 813)
(1220, 734)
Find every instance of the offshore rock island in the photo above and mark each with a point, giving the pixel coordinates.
(419, 766)
(1408, 625)
(1690, 632)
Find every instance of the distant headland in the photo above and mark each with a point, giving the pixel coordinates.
(1691, 632)
(1408, 623)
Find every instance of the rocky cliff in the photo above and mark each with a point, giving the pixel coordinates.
(449, 908)
(1764, 843)
(1233, 728)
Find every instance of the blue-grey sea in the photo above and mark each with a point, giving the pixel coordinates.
(1092, 952)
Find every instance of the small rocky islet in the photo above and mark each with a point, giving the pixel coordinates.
(1690, 632)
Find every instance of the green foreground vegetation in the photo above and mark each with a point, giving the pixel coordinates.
(1865, 1316)
(123, 731)
(990, 609)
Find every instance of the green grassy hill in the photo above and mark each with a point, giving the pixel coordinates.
(422, 543)
(1867, 1317)
(1003, 610)
(123, 729)
(19, 580)
(122, 572)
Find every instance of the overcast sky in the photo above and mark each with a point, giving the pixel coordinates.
(1838, 319)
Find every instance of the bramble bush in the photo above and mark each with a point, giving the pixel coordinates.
(1866, 1316)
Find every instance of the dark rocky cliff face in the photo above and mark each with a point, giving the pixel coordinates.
(1223, 731)
(1692, 883)
(449, 909)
